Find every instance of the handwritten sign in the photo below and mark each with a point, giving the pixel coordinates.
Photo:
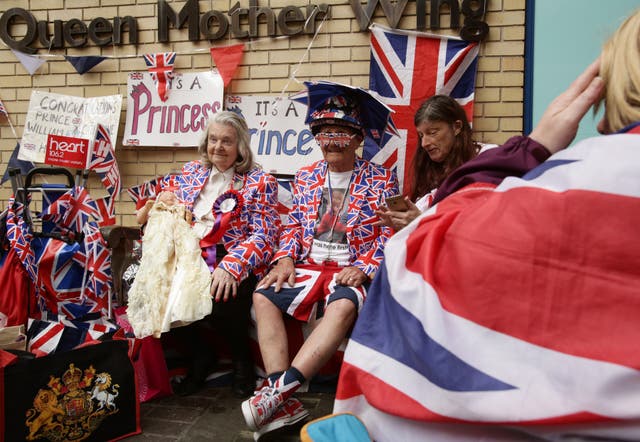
(179, 121)
(65, 115)
(280, 140)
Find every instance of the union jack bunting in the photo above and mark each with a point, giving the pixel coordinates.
(141, 193)
(160, 66)
(407, 68)
(103, 162)
(3, 110)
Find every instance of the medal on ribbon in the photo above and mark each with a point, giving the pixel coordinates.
(225, 208)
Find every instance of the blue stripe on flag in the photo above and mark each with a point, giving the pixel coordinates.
(466, 85)
(399, 44)
(542, 168)
(413, 347)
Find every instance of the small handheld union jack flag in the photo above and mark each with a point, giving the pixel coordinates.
(160, 65)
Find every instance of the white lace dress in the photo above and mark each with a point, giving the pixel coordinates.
(173, 282)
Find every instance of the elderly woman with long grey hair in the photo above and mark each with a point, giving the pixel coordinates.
(232, 206)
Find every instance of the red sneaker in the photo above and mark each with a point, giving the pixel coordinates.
(291, 412)
(259, 408)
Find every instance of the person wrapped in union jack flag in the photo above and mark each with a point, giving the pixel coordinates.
(514, 299)
(323, 265)
(231, 205)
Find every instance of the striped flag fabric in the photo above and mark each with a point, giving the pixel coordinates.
(509, 308)
(160, 66)
(103, 162)
(406, 68)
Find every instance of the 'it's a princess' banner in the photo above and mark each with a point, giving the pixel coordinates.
(178, 121)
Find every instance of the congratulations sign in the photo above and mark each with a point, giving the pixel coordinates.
(179, 121)
(65, 115)
(280, 140)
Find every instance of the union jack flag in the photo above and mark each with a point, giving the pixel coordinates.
(98, 263)
(160, 66)
(144, 191)
(501, 309)
(407, 68)
(20, 236)
(103, 162)
(72, 210)
(141, 193)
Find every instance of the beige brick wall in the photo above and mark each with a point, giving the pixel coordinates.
(340, 53)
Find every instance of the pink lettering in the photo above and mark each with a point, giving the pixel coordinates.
(195, 121)
(138, 92)
(184, 109)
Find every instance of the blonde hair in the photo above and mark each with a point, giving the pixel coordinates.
(620, 70)
(244, 162)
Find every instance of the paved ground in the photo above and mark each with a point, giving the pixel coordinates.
(214, 415)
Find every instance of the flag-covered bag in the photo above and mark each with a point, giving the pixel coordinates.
(88, 393)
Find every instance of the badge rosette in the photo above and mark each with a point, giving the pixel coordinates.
(225, 208)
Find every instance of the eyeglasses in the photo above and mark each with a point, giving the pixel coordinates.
(339, 139)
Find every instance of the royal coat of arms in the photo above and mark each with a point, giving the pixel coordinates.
(72, 406)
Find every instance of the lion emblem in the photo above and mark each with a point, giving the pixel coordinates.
(46, 404)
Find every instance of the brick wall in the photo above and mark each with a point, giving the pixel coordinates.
(340, 52)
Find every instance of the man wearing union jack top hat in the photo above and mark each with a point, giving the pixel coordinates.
(329, 250)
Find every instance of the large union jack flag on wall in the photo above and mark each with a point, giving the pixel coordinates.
(406, 69)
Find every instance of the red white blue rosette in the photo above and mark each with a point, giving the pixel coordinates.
(225, 208)
(229, 202)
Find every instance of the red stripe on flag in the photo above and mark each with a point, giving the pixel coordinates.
(453, 68)
(390, 162)
(355, 382)
(43, 339)
(553, 269)
(387, 65)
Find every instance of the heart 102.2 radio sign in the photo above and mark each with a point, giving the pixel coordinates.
(66, 151)
(280, 140)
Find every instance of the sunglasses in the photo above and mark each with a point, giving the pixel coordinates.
(339, 139)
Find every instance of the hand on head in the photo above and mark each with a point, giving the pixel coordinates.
(559, 123)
